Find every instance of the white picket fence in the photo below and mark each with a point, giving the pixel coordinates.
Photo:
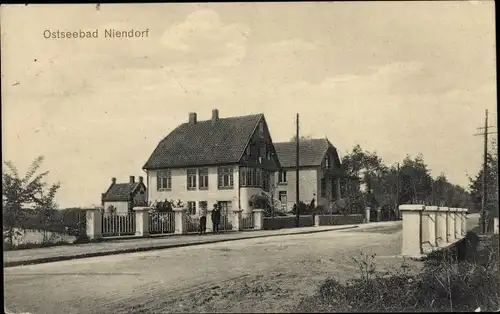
(118, 224)
(161, 223)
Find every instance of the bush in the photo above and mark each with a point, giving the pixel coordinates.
(446, 284)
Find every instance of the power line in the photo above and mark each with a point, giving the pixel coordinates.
(485, 168)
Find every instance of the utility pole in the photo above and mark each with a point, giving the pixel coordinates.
(397, 191)
(485, 170)
(297, 197)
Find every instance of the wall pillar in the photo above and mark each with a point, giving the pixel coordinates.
(464, 221)
(258, 219)
(367, 214)
(450, 225)
(429, 229)
(209, 221)
(180, 220)
(237, 220)
(495, 225)
(94, 222)
(411, 229)
(316, 221)
(458, 223)
(142, 221)
(441, 218)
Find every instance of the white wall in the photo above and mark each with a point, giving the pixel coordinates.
(179, 188)
(308, 185)
(245, 195)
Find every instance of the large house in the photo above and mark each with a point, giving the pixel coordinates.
(120, 198)
(222, 161)
(319, 173)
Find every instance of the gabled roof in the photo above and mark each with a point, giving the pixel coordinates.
(311, 152)
(120, 192)
(204, 143)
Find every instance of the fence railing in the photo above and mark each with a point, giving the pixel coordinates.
(192, 223)
(118, 224)
(247, 221)
(161, 223)
(225, 223)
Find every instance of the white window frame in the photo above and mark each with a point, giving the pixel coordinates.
(203, 178)
(191, 179)
(282, 176)
(225, 178)
(191, 207)
(164, 180)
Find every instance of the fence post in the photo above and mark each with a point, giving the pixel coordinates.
(142, 221)
(495, 225)
(458, 224)
(411, 229)
(441, 226)
(180, 220)
(258, 219)
(450, 225)
(237, 220)
(316, 221)
(429, 229)
(94, 223)
(367, 214)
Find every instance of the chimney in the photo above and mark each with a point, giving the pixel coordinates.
(132, 179)
(141, 179)
(192, 118)
(215, 115)
(113, 180)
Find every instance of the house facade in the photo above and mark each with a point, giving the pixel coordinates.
(320, 171)
(223, 161)
(121, 197)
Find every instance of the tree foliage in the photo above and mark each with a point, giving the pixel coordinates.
(414, 183)
(25, 197)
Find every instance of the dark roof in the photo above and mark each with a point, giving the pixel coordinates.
(204, 143)
(311, 152)
(120, 192)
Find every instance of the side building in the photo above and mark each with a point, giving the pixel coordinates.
(320, 171)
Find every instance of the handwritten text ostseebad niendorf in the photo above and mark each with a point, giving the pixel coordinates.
(96, 33)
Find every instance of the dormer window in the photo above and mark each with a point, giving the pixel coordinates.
(328, 164)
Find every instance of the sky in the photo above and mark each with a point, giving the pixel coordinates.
(396, 78)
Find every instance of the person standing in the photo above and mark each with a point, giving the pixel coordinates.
(215, 219)
(203, 220)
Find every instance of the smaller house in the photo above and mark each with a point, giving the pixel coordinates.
(120, 198)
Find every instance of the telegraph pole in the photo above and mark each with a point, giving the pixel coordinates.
(397, 191)
(485, 170)
(297, 197)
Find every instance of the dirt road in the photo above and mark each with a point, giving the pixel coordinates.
(255, 275)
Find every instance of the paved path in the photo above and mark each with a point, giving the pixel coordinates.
(58, 253)
(253, 275)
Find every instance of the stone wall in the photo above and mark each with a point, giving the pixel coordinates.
(287, 222)
(330, 220)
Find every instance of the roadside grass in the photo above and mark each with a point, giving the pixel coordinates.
(464, 278)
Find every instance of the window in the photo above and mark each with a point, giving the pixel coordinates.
(265, 180)
(261, 127)
(225, 177)
(323, 187)
(164, 180)
(191, 208)
(268, 152)
(328, 162)
(282, 197)
(262, 151)
(224, 207)
(243, 176)
(282, 176)
(191, 179)
(203, 174)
